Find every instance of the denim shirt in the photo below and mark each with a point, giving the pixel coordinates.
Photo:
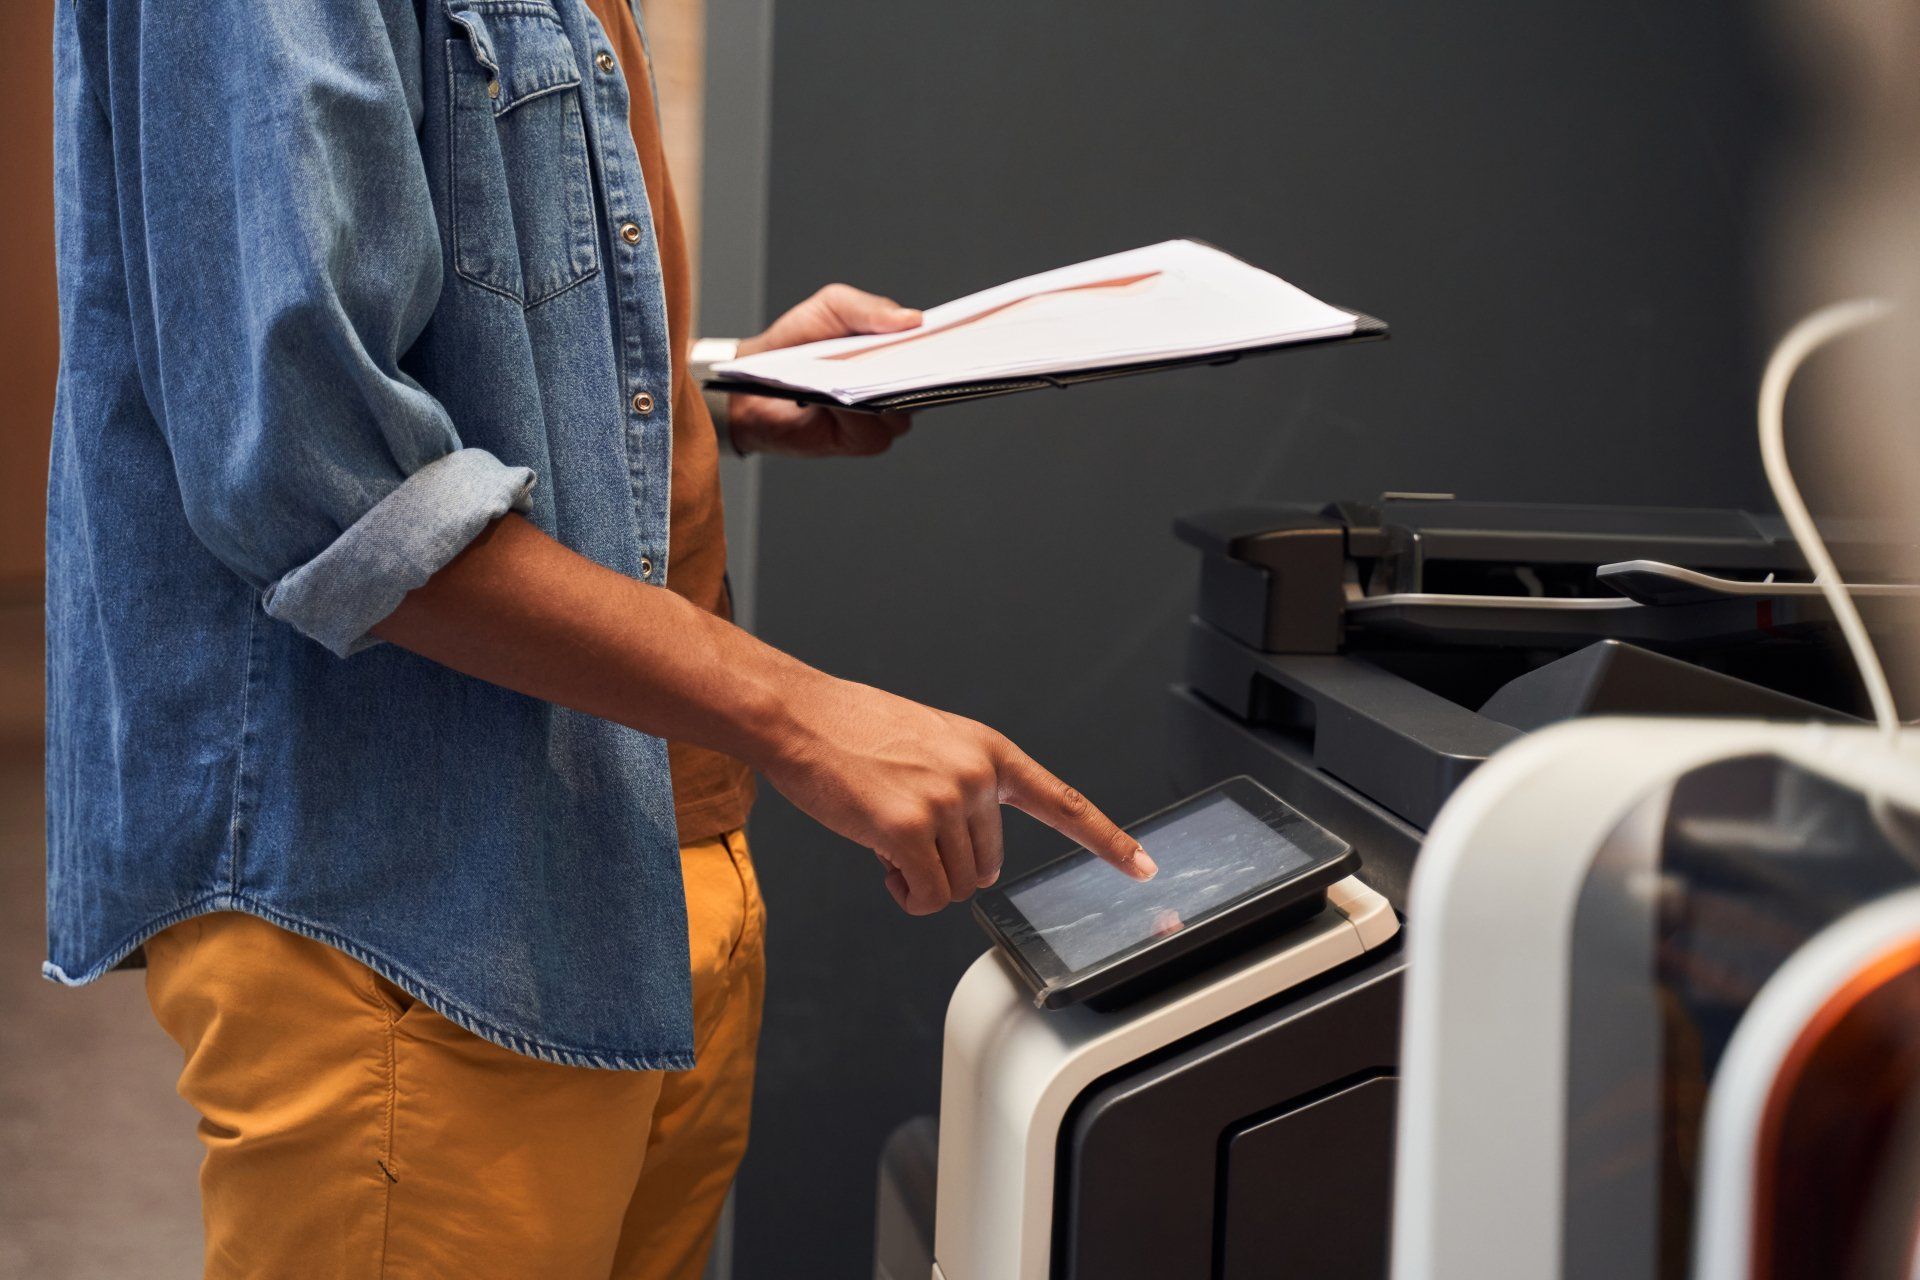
(339, 283)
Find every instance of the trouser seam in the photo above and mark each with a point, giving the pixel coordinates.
(746, 904)
(388, 1178)
(730, 843)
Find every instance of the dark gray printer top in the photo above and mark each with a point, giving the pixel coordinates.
(1362, 657)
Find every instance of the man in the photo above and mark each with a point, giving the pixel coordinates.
(375, 447)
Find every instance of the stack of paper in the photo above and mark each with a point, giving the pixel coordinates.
(1164, 302)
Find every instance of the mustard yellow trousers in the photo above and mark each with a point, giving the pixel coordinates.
(352, 1132)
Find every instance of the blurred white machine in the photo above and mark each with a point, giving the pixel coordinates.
(1811, 1159)
(1623, 929)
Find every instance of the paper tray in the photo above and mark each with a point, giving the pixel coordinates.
(1365, 329)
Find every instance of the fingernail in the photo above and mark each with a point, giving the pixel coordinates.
(989, 879)
(1140, 866)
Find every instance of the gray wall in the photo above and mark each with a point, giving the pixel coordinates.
(1550, 203)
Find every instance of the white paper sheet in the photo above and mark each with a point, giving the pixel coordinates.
(1162, 302)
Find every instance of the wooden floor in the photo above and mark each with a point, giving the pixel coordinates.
(97, 1154)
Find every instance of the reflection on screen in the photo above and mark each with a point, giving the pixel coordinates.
(1208, 855)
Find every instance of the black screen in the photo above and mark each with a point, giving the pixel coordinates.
(1209, 854)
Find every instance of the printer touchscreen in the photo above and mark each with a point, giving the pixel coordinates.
(1210, 852)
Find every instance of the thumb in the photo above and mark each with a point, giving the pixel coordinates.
(857, 311)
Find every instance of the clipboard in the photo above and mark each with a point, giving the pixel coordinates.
(1366, 329)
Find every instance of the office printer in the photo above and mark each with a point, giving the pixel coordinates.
(1360, 660)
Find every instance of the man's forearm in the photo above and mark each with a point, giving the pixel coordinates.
(518, 609)
(920, 787)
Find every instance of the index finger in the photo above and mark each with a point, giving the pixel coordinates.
(1030, 788)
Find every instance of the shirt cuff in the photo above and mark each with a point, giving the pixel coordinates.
(706, 353)
(405, 538)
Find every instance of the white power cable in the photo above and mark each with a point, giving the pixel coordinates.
(1800, 342)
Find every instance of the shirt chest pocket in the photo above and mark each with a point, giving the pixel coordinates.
(522, 217)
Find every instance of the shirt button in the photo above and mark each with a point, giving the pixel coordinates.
(630, 232)
(604, 61)
(493, 88)
(646, 567)
(642, 402)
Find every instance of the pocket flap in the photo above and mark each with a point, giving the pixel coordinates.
(521, 47)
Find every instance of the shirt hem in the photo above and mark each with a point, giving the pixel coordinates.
(565, 1055)
(717, 813)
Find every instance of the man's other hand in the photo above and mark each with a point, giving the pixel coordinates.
(764, 424)
(923, 789)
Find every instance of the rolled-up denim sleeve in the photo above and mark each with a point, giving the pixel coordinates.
(337, 596)
(285, 257)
